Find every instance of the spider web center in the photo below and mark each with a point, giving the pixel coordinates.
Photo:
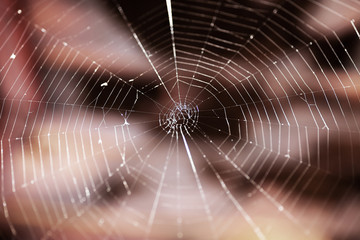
(179, 115)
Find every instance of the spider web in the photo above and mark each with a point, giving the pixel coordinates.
(180, 119)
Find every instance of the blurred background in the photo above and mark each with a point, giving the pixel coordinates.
(180, 119)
